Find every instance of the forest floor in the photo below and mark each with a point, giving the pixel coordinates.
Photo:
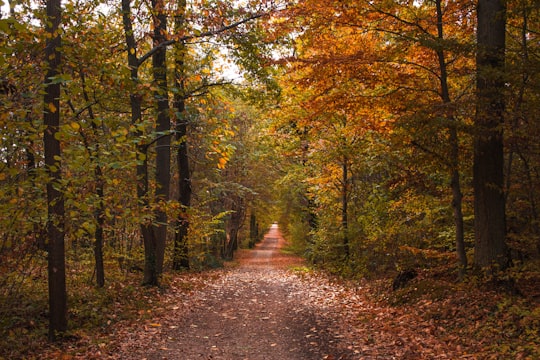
(269, 305)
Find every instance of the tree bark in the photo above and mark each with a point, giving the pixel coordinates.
(150, 275)
(100, 219)
(99, 214)
(55, 197)
(163, 143)
(181, 249)
(236, 220)
(488, 168)
(455, 184)
(252, 229)
(345, 206)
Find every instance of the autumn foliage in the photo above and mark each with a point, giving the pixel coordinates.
(141, 139)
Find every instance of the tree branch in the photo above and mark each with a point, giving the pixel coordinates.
(220, 30)
(438, 156)
(202, 89)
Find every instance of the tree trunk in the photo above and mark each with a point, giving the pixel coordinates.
(163, 127)
(150, 274)
(100, 183)
(252, 230)
(455, 184)
(488, 173)
(55, 197)
(233, 242)
(235, 223)
(457, 201)
(181, 249)
(100, 219)
(344, 206)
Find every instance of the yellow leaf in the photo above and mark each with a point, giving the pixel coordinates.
(222, 163)
(121, 131)
(75, 125)
(155, 325)
(132, 51)
(52, 108)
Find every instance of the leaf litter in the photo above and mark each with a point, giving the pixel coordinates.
(262, 308)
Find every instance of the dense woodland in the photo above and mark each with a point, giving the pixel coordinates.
(146, 138)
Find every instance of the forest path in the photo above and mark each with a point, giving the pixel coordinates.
(268, 306)
(257, 310)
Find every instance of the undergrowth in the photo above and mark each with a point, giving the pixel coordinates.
(92, 311)
(482, 317)
(486, 318)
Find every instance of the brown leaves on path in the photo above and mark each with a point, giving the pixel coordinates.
(270, 306)
(261, 310)
(255, 310)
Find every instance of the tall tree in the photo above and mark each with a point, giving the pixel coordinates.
(181, 250)
(154, 235)
(135, 98)
(488, 168)
(55, 197)
(163, 142)
(430, 27)
(455, 183)
(94, 156)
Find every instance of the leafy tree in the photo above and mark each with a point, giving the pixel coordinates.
(442, 55)
(181, 249)
(89, 152)
(21, 151)
(392, 76)
(156, 253)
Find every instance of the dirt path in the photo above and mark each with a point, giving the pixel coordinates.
(258, 310)
(261, 309)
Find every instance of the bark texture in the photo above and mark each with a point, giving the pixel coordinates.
(488, 174)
